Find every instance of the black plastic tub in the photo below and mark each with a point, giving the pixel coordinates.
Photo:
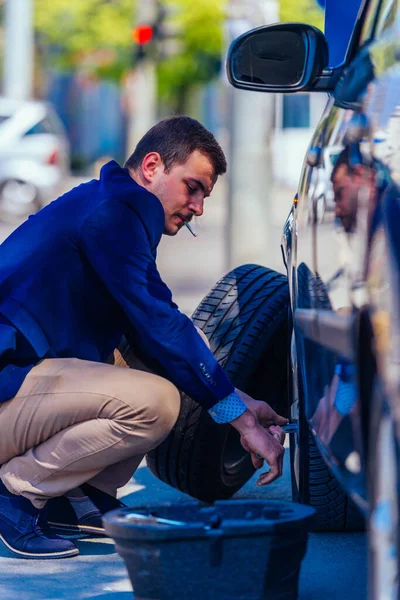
(233, 550)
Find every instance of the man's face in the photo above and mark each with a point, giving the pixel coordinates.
(182, 190)
(346, 187)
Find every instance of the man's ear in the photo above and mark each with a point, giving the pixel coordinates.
(150, 165)
(364, 174)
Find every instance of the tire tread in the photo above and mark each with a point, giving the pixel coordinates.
(239, 316)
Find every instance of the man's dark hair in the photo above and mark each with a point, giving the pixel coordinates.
(342, 159)
(175, 138)
(351, 157)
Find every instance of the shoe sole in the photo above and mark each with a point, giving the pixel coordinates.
(65, 554)
(77, 529)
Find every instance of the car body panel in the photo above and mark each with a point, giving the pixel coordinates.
(344, 281)
(352, 261)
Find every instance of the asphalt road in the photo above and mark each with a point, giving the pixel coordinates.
(335, 565)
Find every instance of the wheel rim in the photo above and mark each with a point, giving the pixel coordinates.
(384, 517)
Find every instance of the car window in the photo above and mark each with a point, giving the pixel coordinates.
(374, 18)
(387, 16)
(43, 126)
(380, 15)
(367, 29)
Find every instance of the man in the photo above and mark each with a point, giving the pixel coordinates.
(351, 176)
(73, 279)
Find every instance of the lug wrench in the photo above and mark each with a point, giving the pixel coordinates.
(290, 428)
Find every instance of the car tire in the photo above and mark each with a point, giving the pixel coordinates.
(245, 318)
(314, 484)
(312, 481)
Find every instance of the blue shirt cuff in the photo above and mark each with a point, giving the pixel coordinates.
(228, 409)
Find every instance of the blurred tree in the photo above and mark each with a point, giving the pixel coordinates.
(193, 55)
(303, 11)
(94, 35)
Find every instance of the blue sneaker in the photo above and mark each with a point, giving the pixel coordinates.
(81, 515)
(23, 529)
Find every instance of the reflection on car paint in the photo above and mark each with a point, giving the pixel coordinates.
(348, 268)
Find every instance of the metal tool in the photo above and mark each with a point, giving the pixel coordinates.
(290, 428)
(150, 519)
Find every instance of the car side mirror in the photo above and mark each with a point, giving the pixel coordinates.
(287, 57)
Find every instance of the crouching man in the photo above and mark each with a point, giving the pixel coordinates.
(73, 279)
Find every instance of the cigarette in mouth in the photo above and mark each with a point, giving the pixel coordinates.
(190, 229)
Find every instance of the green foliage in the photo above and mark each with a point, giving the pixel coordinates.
(89, 34)
(302, 11)
(95, 35)
(199, 35)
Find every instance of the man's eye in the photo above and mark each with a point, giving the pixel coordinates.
(192, 190)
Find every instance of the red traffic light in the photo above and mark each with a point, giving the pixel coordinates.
(142, 34)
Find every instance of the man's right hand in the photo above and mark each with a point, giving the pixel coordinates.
(261, 442)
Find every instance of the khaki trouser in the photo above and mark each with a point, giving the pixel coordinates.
(74, 421)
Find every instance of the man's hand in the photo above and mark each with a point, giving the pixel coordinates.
(266, 416)
(261, 442)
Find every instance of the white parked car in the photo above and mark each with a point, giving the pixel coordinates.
(34, 157)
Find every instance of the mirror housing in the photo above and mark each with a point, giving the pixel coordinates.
(286, 57)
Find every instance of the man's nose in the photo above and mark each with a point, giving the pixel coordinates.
(197, 207)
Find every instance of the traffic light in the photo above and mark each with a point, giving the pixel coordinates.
(158, 38)
(143, 34)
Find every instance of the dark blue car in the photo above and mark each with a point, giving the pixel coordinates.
(321, 345)
(344, 275)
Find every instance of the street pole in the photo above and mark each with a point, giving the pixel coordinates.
(250, 126)
(18, 49)
(142, 86)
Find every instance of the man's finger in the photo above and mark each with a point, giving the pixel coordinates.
(274, 473)
(281, 420)
(257, 461)
(277, 433)
(270, 417)
(279, 437)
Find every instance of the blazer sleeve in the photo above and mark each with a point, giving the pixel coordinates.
(116, 243)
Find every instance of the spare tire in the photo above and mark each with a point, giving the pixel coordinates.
(245, 318)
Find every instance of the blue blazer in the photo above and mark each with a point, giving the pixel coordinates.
(77, 274)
